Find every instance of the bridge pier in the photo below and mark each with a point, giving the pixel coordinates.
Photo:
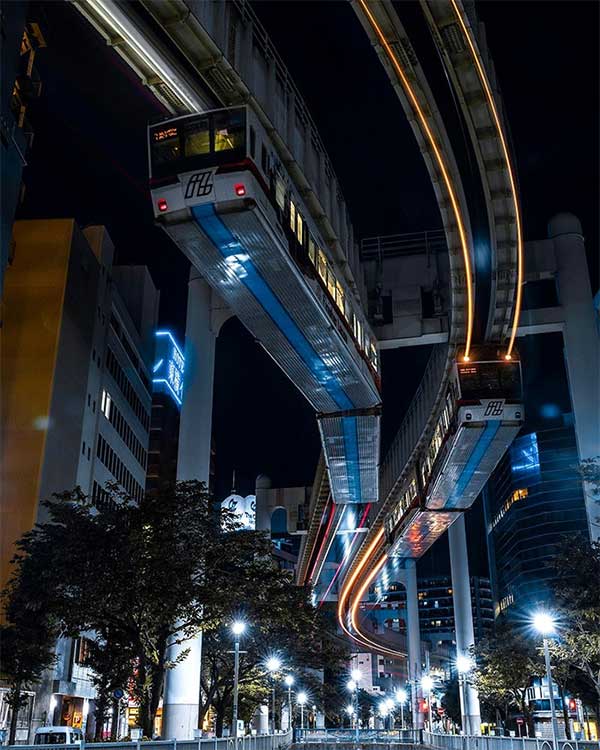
(182, 684)
(409, 579)
(463, 620)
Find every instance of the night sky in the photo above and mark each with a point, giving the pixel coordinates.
(88, 161)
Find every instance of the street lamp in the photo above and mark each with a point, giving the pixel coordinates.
(289, 681)
(273, 665)
(427, 684)
(401, 697)
(463, 666)
(301, 698)
(389, 704)
(237, 628)
(545, 624)
(353, 688)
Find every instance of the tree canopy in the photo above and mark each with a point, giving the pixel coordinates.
(142, 576)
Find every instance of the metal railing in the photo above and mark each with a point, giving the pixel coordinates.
(247, 742)
(365, 736)
(408, 243)
(464, 742)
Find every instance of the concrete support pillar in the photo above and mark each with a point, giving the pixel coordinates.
(414, 640)
(463, 620)
(582, 344)
(182, 684)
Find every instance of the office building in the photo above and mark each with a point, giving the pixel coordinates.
(534, 501)
(167, 386)
(535, 498)
(77, 348)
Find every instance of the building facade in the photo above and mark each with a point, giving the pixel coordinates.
(76, 401)
(533, 503)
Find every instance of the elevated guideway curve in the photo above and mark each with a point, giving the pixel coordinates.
(418, 429)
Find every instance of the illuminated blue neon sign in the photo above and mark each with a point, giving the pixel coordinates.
(167, 373)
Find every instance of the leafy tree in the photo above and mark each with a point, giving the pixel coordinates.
(143, 576)
(148, 574)
(577, 570)
(26, 646)
(505, 666)
(280, 617)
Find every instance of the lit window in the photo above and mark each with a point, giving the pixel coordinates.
(196, 135)
(299, 229)
(230, 130)
(105, 404)
(339, 297)
(331, 282)
(292, 216)
(311, 250)
(322, 266)
(280, 193)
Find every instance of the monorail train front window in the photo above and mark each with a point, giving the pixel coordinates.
(165, 145)
(196, 137)
(490, 380)
(230, 130)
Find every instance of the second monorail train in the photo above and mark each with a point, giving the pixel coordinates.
(482, 414)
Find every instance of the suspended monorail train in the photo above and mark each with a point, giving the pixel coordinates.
(222, 194)
(481, 415)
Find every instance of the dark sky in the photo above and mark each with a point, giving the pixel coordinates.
(89, 161)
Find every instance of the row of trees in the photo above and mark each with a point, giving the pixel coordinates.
(507, 662)
(138, 577)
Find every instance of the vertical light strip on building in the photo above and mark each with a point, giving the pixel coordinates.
(453, 200)
(484, 82)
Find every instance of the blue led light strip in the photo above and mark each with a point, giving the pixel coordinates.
(230, 247)
(469, 468)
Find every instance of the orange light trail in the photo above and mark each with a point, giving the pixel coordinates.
(492, 103)
(443, 170)
(361, 638)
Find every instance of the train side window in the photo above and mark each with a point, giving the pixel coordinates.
(292, 216)
(196, 137)
(322, 265)
(311, 250)
(264, 159)
(331, 282)
(339, 297)
(229, 130)
(299, 228)
(252, 141)
(280, 193)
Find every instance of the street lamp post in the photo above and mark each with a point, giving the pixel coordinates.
(545, 625)
(427, 684)
(273, 666)
(389, 704)
(463, 667)
(289, 681)
(353, 688)
(237, 629)
(302, 698)
(401, 696)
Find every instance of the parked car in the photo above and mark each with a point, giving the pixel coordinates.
(57, 736)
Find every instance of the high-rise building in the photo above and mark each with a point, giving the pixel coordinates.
(77, 347)
(535, 498)
(167, 387)
(20, 83)
(533, 502)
